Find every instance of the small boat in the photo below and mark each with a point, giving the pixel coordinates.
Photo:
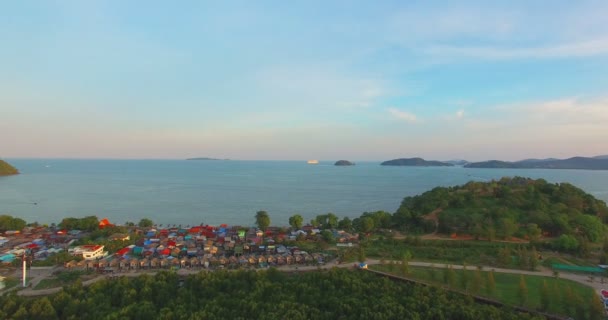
(312, 161)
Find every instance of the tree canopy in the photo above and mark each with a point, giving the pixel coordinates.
(262, 220)
(145, 223)
(271, 294)
(504, 208)
(296, 221)
(8, 222)
(89, 223)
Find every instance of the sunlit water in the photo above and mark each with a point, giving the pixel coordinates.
(194, 192)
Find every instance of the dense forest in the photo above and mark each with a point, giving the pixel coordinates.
(334, 294)
(6, 169)
(502, 209)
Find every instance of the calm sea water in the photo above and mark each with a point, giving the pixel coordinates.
(214, 192)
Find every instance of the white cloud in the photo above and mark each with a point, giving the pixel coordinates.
(460, 114)
(403, 115)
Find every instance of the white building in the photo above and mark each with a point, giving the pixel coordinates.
(89, 251)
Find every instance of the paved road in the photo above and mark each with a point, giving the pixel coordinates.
(583, 279)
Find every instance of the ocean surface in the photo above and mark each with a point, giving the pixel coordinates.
(214, 192)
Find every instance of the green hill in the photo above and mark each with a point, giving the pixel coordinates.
(6, 169)
(502, 209)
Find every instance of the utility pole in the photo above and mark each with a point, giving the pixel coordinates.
(24, 260)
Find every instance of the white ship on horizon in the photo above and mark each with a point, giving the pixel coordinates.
(312, 161)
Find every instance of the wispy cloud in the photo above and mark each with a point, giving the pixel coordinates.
(563, 50)
(403, 115)
(459, 114)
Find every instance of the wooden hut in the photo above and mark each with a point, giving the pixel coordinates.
(308, 258)
(299, 258)
(70, 264)
(113, 263)
(133, 264)
(154, 263)
(223, 261)
(289, 259)
(163, 263)
(194, 262)
(144, 263)
(123, 264)
(280, 260)
(262, 259)
(270, 259)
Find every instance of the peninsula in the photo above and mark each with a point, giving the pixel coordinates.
(415, 162)
(581, 163)
(6, 169)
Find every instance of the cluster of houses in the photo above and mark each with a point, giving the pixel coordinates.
(196, 247)
(38, 243)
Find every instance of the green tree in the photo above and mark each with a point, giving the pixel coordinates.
(449, 276)
(42, 309)
(332, 220)
(491, 283)
(533, 232)
(533, 259)
(346, 224)
(145, 223)
(296, 221)
(367, 225)
(507, 227)
(328, 236)
(405, 263)
(11, 223)
(545, 296)
(522, 291)
(566, 242)
(477, 282)
(262, 220)
(504, 256)
(596, 311)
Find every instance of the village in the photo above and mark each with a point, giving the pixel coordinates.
(172, 247)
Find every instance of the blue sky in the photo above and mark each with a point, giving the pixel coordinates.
(303, 80)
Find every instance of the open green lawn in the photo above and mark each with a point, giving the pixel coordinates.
(48, 283)
(61, 279)
(11, 282)
(563, 297)
(448, 251)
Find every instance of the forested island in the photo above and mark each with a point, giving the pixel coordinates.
(344, 163)
(6, 169)
(583, 163)
(415, 162)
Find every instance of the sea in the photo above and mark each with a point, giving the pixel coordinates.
(232, 191)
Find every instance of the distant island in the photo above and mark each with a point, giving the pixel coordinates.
(457, 162)
(582, 163)
(6, 169)
(344, 163)
(416, 162)
(204, 158)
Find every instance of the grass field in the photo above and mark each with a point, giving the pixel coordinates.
(565, 295)
(61, 279)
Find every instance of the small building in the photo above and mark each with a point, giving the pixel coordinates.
(88, 251)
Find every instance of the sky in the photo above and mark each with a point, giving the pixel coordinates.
(298, 80)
